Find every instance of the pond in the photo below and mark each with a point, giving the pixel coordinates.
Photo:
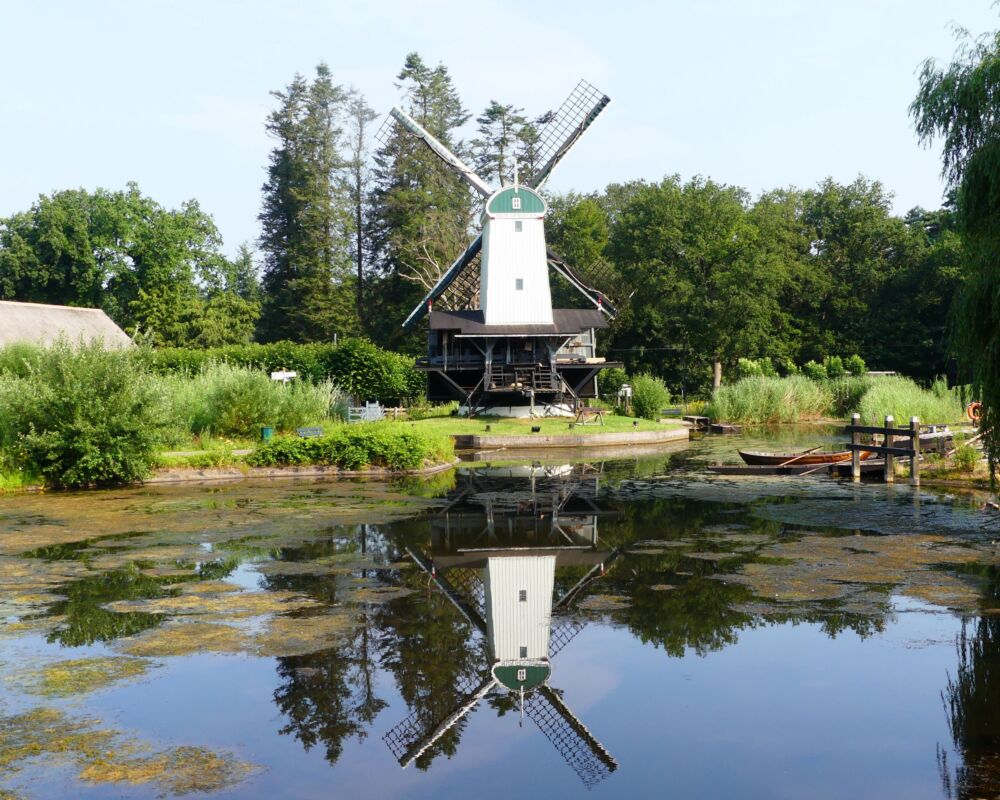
(608, 628)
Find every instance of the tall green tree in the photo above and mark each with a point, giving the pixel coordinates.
(150, 268)
(960, 105)
(690, 251)
(360, 117)
(499, 130)
(306, 217)
(421, 211)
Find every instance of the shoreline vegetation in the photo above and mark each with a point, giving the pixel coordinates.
(79, 416)
(761, 400)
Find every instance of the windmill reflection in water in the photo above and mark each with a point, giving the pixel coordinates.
(495, 556)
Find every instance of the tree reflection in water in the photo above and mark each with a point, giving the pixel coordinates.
(645, 554)
(972, 703)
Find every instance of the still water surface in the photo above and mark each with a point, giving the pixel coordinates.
(618, 628)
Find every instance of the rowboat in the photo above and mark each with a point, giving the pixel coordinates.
(798, 459)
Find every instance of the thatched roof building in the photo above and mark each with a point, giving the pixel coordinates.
(43, 324)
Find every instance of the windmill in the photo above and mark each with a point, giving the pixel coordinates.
(507, 596)
(495, 342)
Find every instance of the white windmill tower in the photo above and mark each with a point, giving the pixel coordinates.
(499, 346)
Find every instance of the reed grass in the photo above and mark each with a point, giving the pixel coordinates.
(759, 400)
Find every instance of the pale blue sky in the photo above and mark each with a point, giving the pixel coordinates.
(759, 93)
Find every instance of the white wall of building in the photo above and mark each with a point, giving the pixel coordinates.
(512, 623)
(510, 255)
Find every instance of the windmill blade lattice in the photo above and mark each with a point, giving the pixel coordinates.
(589, 759)
(563, 633)
(561, 130)
(414, 735)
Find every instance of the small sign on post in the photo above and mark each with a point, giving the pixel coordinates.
(284, 375)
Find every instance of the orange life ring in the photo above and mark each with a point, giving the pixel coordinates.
(974, 411)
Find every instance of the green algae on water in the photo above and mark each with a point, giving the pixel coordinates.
(103, 755)
(79, 676)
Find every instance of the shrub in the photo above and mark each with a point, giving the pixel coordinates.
(855, 365)
(814, 371)
(610, 382)
(82, 416)
(966, 457)
(649, 396)
(395, 446)
(787, 367)
(360, 368)
(834, 366)
(225, 400)
(750, 367)
(761, 400)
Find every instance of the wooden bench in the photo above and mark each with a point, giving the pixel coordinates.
(309, 433)
(589, 416)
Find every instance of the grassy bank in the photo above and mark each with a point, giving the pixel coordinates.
(550, 426)
(765, 400)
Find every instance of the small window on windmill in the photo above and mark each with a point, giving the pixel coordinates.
(524, 651)
(519, 284)
(518, 227)
(522, 675)
(515, 203)
(522, 595)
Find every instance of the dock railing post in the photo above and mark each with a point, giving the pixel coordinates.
(915, 445)
(889, 440)
(855, 454)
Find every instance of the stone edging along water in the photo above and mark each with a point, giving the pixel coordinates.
(512, 442)
(185, 474)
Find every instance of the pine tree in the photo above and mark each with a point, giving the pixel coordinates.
(359, 119)
(421, 210)
(306, 220)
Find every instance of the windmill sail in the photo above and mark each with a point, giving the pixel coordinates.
(562, 129)
(445, 281)
(579, 748)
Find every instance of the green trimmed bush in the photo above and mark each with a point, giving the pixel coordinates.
(649, 396)
(814, 371)
(855, 365)
(395, 446)
(834, 366)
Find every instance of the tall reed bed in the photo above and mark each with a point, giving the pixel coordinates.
(760, 400)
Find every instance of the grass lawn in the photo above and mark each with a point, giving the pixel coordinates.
(551, 426)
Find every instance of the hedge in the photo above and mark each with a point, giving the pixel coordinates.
(362, 369)
(396, 446)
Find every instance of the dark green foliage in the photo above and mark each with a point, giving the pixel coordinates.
(306, 220)
(610, 381)
(420, 210)
(855, 365)
(82, 416)
(814, 371)
(959, 104)
(649, 396)
(151, 269)
(356, 366)
(394, 446)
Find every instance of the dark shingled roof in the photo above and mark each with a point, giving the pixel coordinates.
(564, 321)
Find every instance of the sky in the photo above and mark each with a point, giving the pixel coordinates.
(756, 93)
